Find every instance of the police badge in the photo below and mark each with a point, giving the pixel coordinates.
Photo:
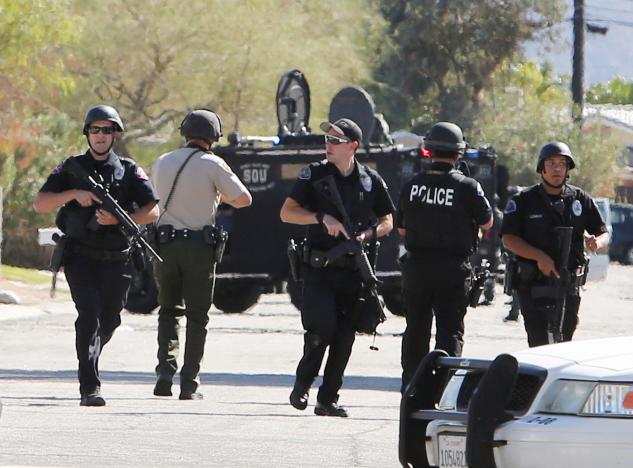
(365, 181)
(305, 173)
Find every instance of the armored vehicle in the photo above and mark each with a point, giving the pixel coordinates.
(255, 258)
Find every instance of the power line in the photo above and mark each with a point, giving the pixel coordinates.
(628, 24)
(614, 10)
(611, 21)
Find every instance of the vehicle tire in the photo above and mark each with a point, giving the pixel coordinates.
(392, 295)
(295, 291)
(627, 257)
(142, 297)
(233, 298)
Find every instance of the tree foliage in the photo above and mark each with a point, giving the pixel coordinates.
(33, 34)
(530, 109)
(616, 91)
(443, 54)
(160, 58)
(37, 146)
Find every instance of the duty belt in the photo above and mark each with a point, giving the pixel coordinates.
(100, 254)
(167, 233)
(187, 234)
(317, 259)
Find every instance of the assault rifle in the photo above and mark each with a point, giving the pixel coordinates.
(556, 317)
(127, 226)
(327, 188)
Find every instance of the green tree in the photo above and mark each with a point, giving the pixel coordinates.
(38, 146)
(157, 59)
(530, 109)
(616, 91)
(442, 55)
(33, 34)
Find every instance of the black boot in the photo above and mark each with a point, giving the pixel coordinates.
(189, 391)
(162, 387)
(299, 396)
(330, 409)
(93, 398)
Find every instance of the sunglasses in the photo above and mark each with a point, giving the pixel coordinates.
(556, 164)
(336, 140)
(93, 130)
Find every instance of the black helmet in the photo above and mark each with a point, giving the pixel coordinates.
(445, 136)
(202, 124)
(556, 148)
(103, 112)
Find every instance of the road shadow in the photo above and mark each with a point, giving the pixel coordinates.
(352, 382)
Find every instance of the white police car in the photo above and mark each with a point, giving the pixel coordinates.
(567, 404)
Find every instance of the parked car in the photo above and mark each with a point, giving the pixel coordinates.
(599, 261)
(567, 404)
(621, 245)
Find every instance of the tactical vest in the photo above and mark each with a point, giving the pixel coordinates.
(435, 214)
(358, 198)
(541, 234)
(77, 222)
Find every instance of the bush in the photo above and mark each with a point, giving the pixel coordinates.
(28, 153)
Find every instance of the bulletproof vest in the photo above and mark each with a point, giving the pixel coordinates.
(435, 214)
(560, 213)
(78, 222)
(358, 195)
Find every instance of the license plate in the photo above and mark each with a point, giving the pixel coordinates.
(452, 451)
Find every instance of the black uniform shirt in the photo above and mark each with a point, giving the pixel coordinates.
(441, 210)
(532, 216)
(364, 194)
(127, 183)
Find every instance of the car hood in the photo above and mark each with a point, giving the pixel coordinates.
(605, 359)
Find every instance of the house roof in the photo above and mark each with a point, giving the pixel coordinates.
(620, 116)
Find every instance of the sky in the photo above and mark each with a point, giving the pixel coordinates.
(607, 56)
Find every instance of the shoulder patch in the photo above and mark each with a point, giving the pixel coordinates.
(140, 173)
(222, 164)
(511, 207)
(305, 173)
(59, 167)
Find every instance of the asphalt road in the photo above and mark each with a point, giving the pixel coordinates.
(245, 418)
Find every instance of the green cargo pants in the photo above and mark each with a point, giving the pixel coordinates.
(185, 280)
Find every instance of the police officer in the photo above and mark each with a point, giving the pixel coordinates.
(528, 231)
(191, 182)
(97, 255)
(439, 213)
(331, 289)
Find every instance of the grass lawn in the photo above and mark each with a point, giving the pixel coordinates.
(25, 275)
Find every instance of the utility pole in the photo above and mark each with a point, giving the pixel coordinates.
(578, 66)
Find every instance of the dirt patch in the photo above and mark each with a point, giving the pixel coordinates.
(29, 294)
